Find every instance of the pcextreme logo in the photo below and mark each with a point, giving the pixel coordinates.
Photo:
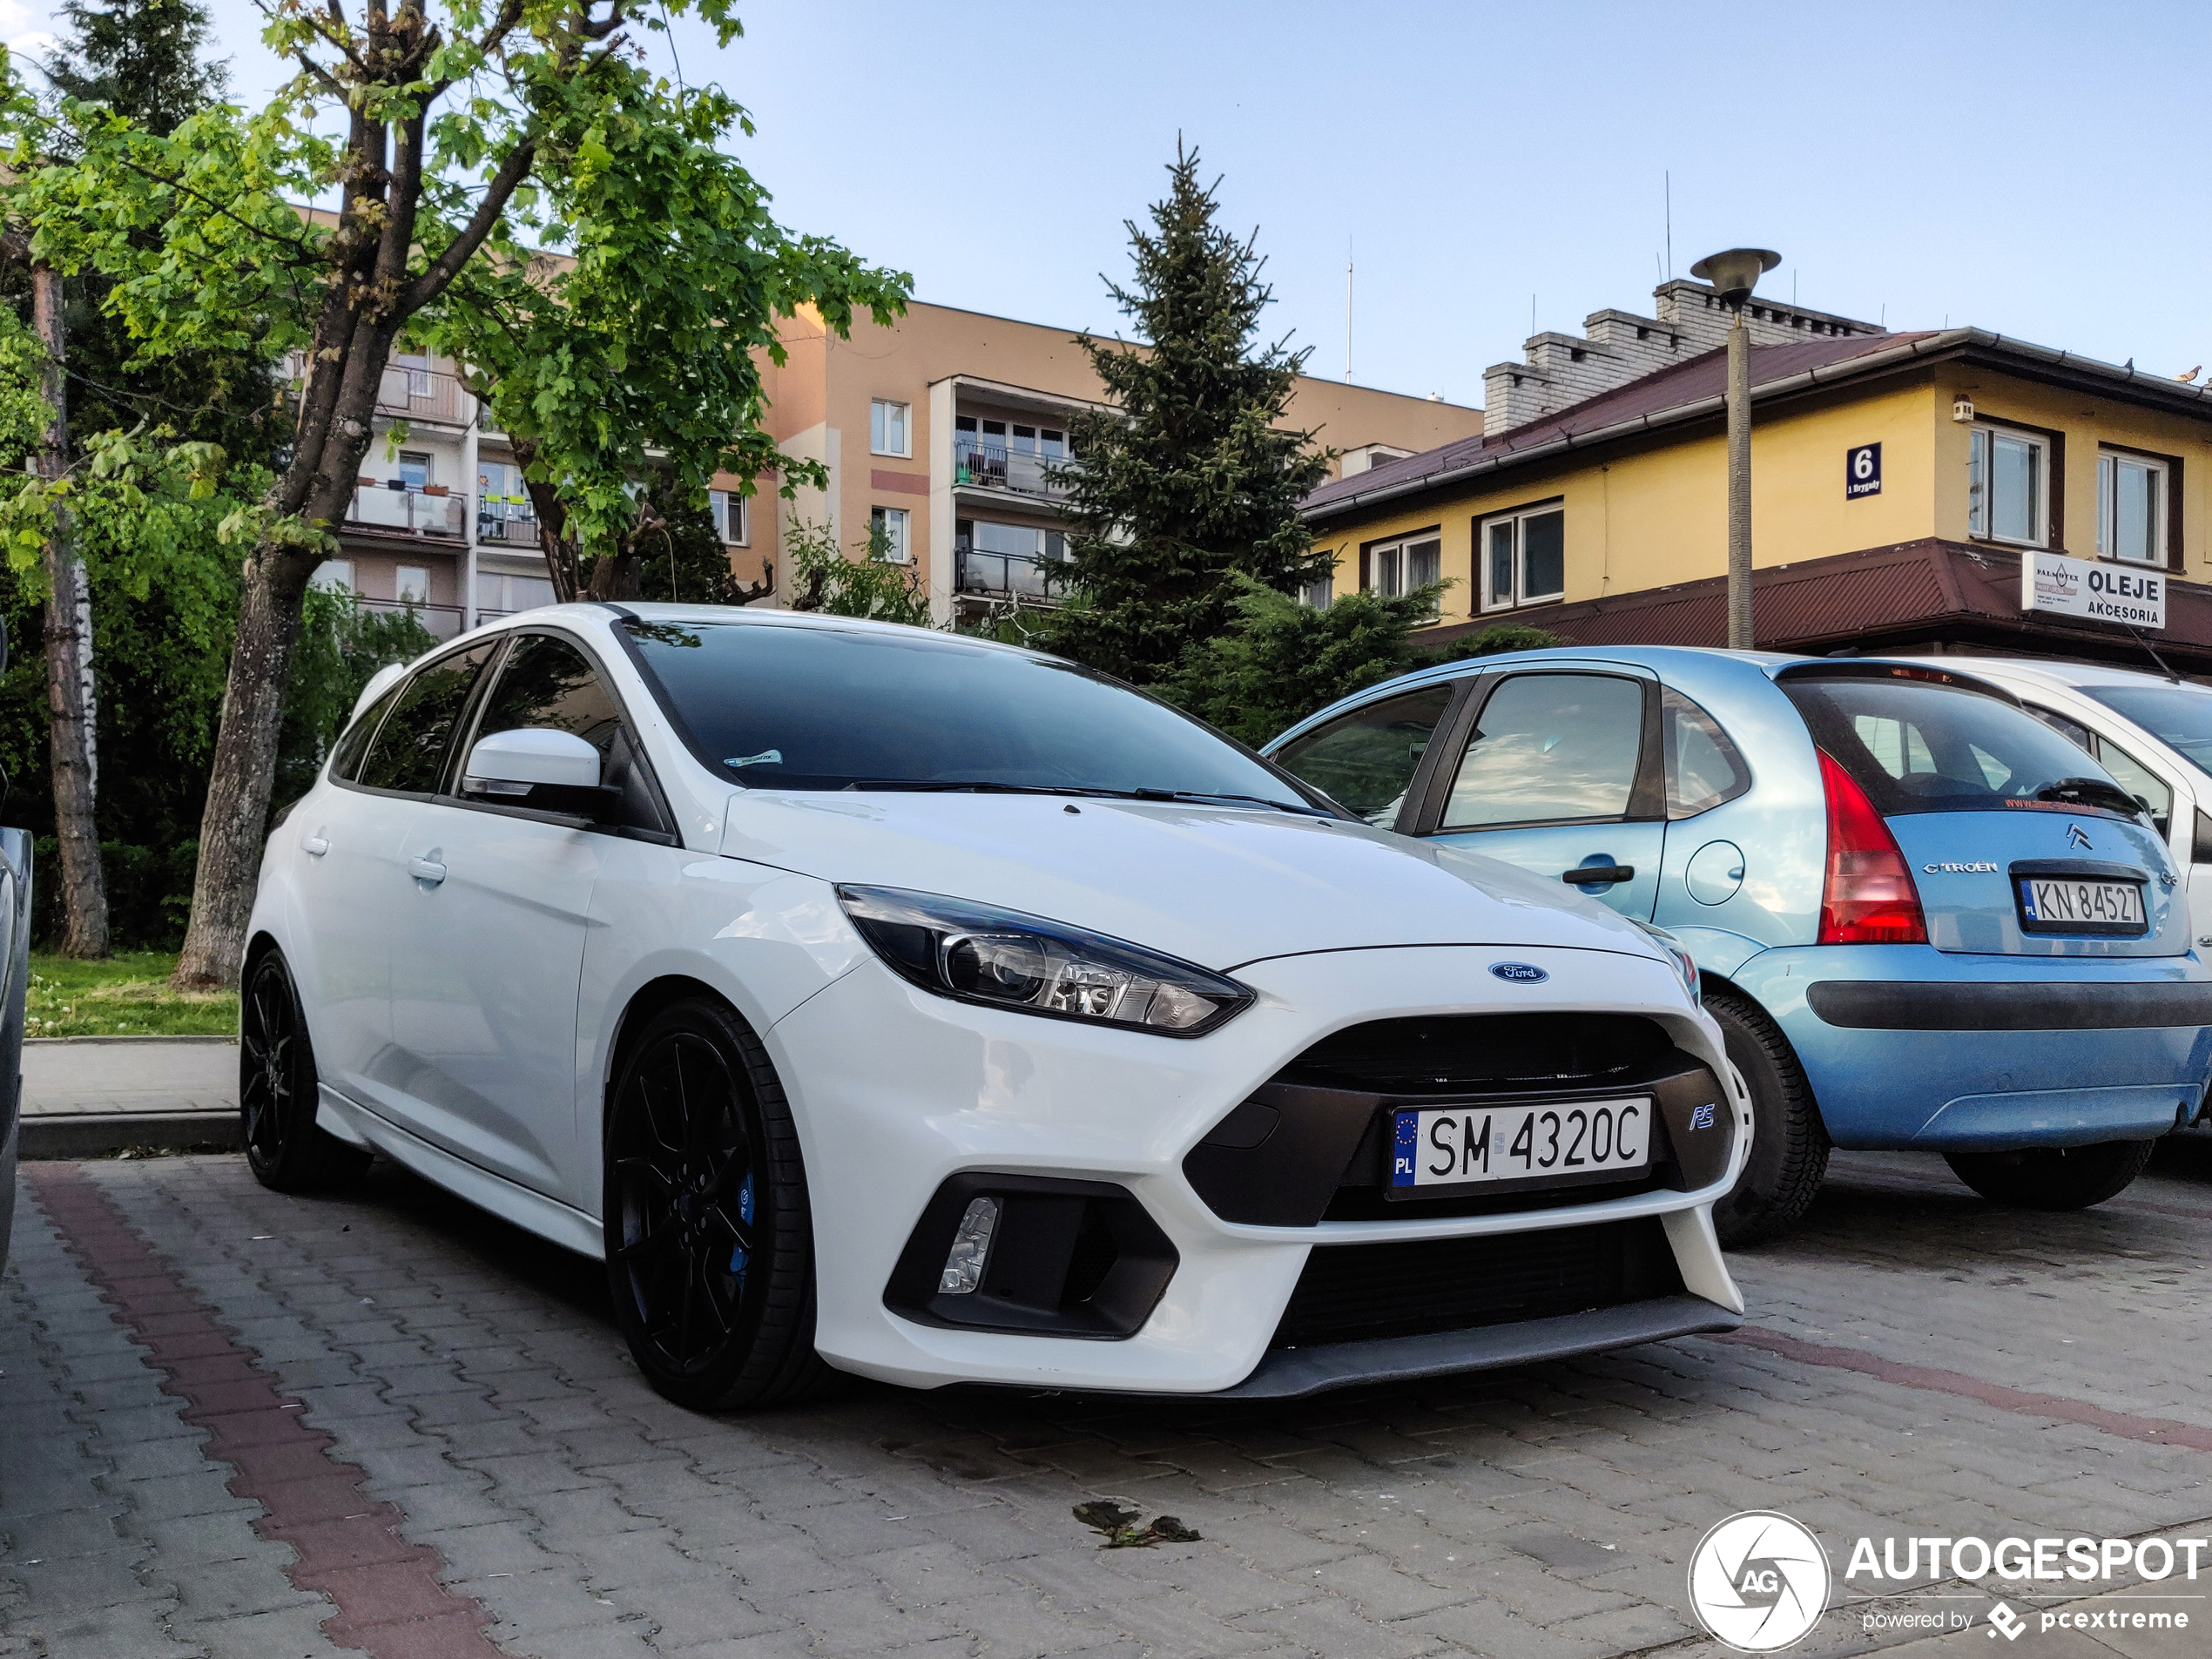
(1759, 1582)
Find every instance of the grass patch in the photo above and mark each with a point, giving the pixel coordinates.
(127, 996)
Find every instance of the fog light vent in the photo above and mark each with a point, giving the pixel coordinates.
(971, 1248)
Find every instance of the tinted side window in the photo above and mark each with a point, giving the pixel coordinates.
(547, 681)
(1365, 760)
(409, 751)
(345, 762)
(1550, 748)
(1703, 768)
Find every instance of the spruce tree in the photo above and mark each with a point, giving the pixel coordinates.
(139, 58)
(1191, 479)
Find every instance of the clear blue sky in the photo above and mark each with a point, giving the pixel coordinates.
(2037, 169)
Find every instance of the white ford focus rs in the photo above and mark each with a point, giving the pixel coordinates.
(944, 1012)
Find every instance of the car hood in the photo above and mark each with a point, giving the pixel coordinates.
(1219, 888)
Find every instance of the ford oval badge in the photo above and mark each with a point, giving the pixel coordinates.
(1520, 973)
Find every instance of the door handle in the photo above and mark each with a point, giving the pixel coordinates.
(427, 870)
(314, 846)
(1592, 875)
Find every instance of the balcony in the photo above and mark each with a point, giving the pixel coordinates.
(423, 394)
(985, 464)
(1006, 575)
(498, 526)
(443, 621)
(394, 510)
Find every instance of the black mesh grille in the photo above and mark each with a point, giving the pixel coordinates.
(1455, 1053)
(1354, 1292)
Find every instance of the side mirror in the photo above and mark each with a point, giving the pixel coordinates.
(542, 767)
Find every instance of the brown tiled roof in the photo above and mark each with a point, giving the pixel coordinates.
(1692, 380)
(1915, 590)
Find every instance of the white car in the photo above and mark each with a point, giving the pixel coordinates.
(2153, 734)
(944, 1012)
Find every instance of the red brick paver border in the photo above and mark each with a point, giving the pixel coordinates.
(390, 1601)
(2157, 1431)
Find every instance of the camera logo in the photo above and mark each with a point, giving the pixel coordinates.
(1759, 1582)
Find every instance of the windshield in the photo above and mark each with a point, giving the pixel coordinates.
(775, 706)
(1918, 746)
(2178, 716)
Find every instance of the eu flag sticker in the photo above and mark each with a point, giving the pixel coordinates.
(1408, 1143)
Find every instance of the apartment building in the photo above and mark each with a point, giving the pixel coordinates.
(945, 430)
(1898, 479)
(438, 522)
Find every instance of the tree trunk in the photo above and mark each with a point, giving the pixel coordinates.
(69, 654)
(236, 822)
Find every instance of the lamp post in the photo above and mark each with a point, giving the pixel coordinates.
(1734, 275)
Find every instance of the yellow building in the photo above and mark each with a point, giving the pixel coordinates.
(944, 427)
(1896, 479)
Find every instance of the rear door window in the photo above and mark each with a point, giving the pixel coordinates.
(409, 749)
(1923, 746)
(1548, 749)
(1365, 761)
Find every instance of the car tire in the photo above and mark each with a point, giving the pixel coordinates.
(2053, 1177)
(709, 1238)
(278, 1093)
(1789, 1143)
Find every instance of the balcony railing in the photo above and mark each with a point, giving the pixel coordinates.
(495, 530)
(1006, 575)
(443, 621)
(423, 394)
(407, 511)
(981, 463)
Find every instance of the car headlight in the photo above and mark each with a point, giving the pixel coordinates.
(1685, 964)
(977, 952)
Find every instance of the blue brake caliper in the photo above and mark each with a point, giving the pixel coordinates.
(744, 1214)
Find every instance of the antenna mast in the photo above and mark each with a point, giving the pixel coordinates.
(1347, 311)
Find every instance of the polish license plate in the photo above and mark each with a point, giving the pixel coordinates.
(1457, 1146)
(2064, 904)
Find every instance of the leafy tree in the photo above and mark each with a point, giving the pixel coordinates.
(343, 644)
(1189, 479)
(823, 579)
(468, 134)
(1279, 660)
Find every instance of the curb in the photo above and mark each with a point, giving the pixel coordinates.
(144, 1036)
(101, 1135)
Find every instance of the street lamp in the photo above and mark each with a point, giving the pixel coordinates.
(1734, 275)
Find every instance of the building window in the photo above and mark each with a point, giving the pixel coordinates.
(888, 433)
(891, 522)
(414, 469)
(2131, 496)
(732, 519)
(2008, 482)
(1395, 568)
(336, 575)
(1317, 594)
(411, 585)
(1524, 557)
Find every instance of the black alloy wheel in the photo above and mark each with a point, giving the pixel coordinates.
(2053, 1177)
(709, 1254)
(277, 1091)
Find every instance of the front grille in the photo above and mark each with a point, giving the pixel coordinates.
(1358, 1292)
(1456, 1053)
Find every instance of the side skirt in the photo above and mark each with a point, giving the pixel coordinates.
(533, 1212)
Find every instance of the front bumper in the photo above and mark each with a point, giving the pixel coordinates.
(896, 1092)
(1907, 1047)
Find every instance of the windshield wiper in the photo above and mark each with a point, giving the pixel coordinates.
(986, 786)
(1223, 794)
(2092, 791)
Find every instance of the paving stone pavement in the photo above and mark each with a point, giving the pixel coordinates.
(1917, 1363)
